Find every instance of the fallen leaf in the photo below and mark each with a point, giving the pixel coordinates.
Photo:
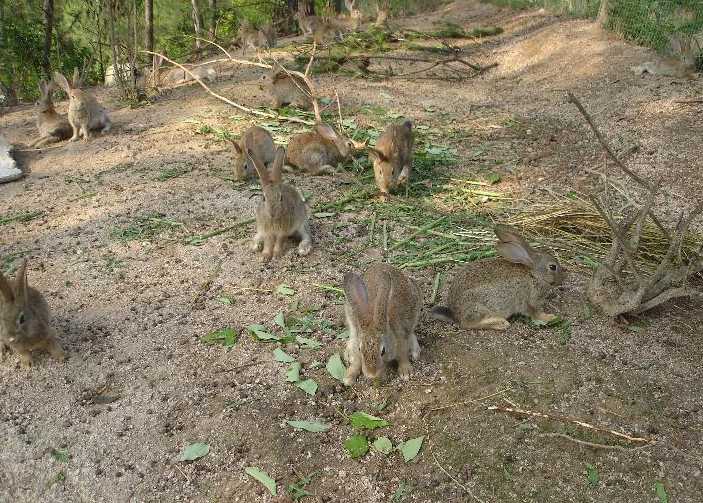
(260, 332)
(661, 492)
(410, 448)
(313, 426)
(282, 356)
(263, 478)
(356, 446)
(336, 368)
(226, 337)
(193, 451)
(285, 290)
(308, 343)
(592, 475)
(293, 374)
(280, 320)
(383, 445)
(308, 386)
(366, 421)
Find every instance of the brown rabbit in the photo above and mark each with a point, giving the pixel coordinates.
(282, 212)
(84, 111)
(260, 143)
(486, 293)
(52, 126)
(286, 88)
(382, 310)
(24, 320)
(320, 150)
(308, 24)
(393, 156)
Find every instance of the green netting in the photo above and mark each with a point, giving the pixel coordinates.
(648, 22)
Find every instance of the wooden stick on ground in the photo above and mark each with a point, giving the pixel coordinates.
(566, 419)
(466, 489)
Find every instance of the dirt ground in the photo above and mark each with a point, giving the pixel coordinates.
(131, 299)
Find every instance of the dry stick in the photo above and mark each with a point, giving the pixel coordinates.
(594, 445)
(689, 102)
(312, 56)
(573, 99)
(466, 489)
(239, 107)
(475, 400)
(566, 419)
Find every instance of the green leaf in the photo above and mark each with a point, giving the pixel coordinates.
(592, 475)
(227, 301)
(323, 214)
(282, 356)
(363, 420)
(313, 426)
(356, 446)
(260, 332)
(193, 451)
(410, 448)
(493, 178)
(285, 290)
(383, 445)
(308, 343)
(280, 320)
(336, 368)
(661, 492)
(226, 337)
(60, 455)
(293, 374)
(308, 386)
(262, 477)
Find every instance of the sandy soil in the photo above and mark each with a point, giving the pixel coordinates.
(108, 424)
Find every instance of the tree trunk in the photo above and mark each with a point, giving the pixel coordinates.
(149, 25)
(197, 22)
(214, 17)
(603, 13)
(113, 44)
(48, 28)
(8, 90)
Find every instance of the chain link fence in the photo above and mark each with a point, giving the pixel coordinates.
(669, 26)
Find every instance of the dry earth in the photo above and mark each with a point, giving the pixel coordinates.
(139, 385)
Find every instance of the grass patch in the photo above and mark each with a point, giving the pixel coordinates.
(20, 216)
(146, 227)
(172, 172)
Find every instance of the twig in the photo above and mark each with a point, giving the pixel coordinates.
(594, 445)
(475, 400)
(466, 489)
(689, 102)
(418, 232)
(329, 288)
(312, 57)
(566, 419)
(234, 60)
(435, 287)
(239, 367)
(199, 239)
(239, 107)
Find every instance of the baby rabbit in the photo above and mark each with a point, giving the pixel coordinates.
(260, 142)
(52, 126)
(24, 320)
(393, 156)
(288, 89)
(84, 111)
(282, 212)
(485, 294)
(382, 310)
(319, 150)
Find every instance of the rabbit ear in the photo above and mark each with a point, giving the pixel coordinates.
(42, 88)
(408, 124)
(5, 289)
(358, 295)
(512, 247)
(237, 147)
(259, 166)
(76, 77)
(277, 167)
(62, 82)
(21, 282)
(377, 154)
(327, 132)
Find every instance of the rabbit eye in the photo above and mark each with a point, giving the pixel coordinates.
(20, 319)
(383, 350)
(552, 267)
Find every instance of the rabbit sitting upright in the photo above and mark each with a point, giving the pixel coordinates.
(484, 294)
(84, 112)
(24, 320)
(382, 310)
(282, 212)
(52, 126)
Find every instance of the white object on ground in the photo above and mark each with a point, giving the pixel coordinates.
(8, 167)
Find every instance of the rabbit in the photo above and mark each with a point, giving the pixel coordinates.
(24, 320)
(308, 24)
(260, 142)
(382, 311)
(254, 39)
(319, 150)
(288, 89)
(393, 156)
(84, 111)
(52, 126)
(484, 294)
(282, 212)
